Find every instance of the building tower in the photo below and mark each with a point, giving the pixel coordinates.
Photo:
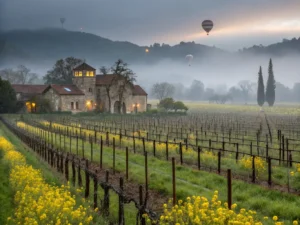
(84, 77)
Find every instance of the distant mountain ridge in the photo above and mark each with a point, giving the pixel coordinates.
(50, 44)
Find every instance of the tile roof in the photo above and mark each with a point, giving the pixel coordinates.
(84, 66)
(138, 90)
(105, 79)
(29, 88)
(66, 89)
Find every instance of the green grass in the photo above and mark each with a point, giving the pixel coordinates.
(192, 182)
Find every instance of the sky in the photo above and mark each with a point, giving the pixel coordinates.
(237, 23)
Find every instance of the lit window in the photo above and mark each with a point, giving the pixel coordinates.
(87, 73)
(80, 74)
(76, 73)
(91, 73)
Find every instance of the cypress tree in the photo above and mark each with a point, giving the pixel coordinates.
(260, 89)
(270, 89)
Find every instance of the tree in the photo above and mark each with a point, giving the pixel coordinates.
(167, 103)
(105, 71)
(125, 78)
(8, 98)
(20, 76)
(179, 106)
(10, 75)
(296, 92)
(162, 90)
(260, 89)
(246, 87)
(271, 86)
(195, 92)
(25, 76)
(62, 71)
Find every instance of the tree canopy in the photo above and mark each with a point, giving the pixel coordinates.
(162, 90)
(260, 89)
(62, 71)
(21, 75)
(8, 99)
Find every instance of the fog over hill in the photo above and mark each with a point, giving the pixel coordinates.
(39, 49)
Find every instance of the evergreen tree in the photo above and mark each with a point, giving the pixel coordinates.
(8, 99)
(270, 89)
(260, 89)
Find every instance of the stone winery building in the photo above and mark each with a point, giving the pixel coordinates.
(87, 93)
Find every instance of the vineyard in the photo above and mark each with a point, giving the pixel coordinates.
(144, 169)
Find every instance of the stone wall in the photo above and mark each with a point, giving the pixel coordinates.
(88, 86)
(66, 103)
(54, 99)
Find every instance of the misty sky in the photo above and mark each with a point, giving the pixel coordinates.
(238, 23)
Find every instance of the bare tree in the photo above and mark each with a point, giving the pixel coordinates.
(20, 76)
(125, 78)
(162, 90)
(105, 71)
(247, 87)
(10, 75)
(25, 76)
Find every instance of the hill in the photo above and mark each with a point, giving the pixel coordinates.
(51, 44)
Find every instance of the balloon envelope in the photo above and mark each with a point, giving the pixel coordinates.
(189, 58)
(207, 25)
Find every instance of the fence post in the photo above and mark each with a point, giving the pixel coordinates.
(73, 171)
(106, 195)
(167, 151)
(174, 181)
(180, 152)
(126, 163)
(67, 167)
(219, 162)
(199, 165)
(101, 152)
(95, 190)
(253, 169)
(121, 203)
(269, 171)
(142, 219)
(229, 188)
(114, 155)
(87, 179)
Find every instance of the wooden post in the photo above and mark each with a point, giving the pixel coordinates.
(154, 148)
(174, 181)
(142, 219)
(101, 152)
(269, 171)
(95, 191)
(229, 188)
(199, 165)
(106, 195)
(73, 171)
(114, 155)
(87, 180)
(253, 169)
(121, 203)
(180, 152)
(219, 162)
(167, 151)
(126, 163)
(146, 172)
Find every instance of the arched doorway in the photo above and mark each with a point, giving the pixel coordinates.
(124, 108)
(117, 107)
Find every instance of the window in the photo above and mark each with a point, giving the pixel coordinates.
(87, 73)
(91, 73)
(72, 105)
(90, 90)
(77, 105)
(80, 73)
(67, 89)
(76, 73)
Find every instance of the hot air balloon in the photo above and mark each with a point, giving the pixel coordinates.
(207, 25)
(189, 58)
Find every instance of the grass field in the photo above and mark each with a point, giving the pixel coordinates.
(280, 108)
